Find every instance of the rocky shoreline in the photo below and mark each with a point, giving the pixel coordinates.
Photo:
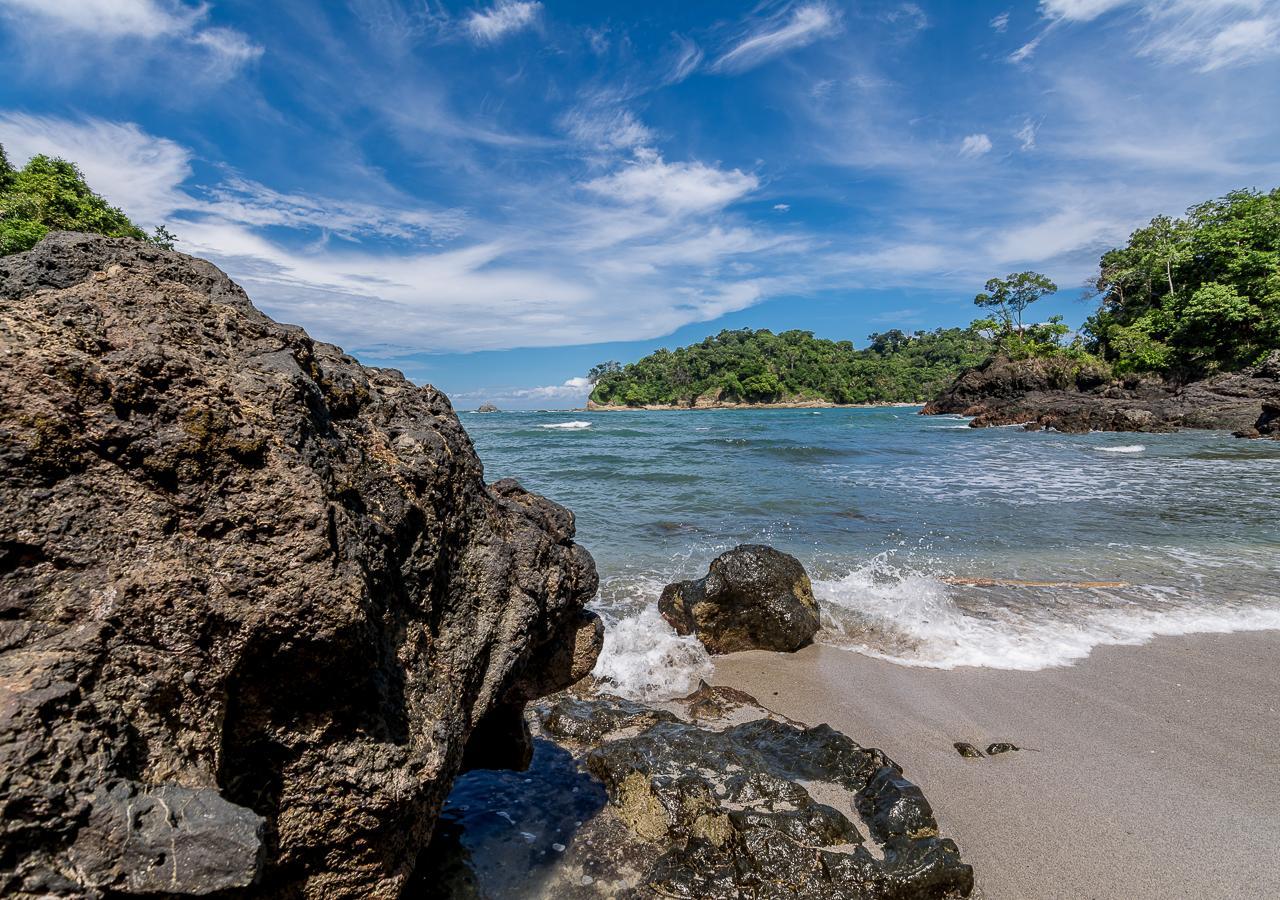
(259, 610)
(1062, 394)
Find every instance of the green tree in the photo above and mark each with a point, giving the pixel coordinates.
(1011, 296)
(50, 194)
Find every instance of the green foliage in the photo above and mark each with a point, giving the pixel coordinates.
(1011, 296)
(763, 367)
(51, 194)
(1192, 296)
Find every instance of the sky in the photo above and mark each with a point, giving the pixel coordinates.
(493, 196)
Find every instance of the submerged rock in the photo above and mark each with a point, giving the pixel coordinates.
(1073, 397)
(258, 607)
(711, 796)
(753, 597)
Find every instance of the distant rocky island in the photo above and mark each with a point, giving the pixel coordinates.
(757, 368)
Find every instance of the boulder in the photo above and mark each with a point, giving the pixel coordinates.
(258, 607)
(488, 408)
(753, 597)
(710, 796)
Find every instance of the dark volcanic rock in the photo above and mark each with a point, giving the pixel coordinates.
(1070, 397)
(257, 605)
(753, 597)
(710, 796)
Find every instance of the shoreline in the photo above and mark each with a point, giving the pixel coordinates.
(1156, 772)
(800, 404)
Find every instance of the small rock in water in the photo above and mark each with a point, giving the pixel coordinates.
(1001, 747)
(559, 848)
(968, 751)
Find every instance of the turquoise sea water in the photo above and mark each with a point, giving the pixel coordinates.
(883, 505)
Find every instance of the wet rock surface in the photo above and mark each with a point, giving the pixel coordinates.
(753, 597)
(711, 796)
(258, 607)
(1060, 394)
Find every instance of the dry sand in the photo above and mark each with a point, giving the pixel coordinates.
(1157, 776)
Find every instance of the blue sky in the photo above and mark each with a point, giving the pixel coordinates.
(492, 196)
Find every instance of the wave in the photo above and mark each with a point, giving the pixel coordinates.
(568, 426)
(913, 619)
(644, 659)
(1127, 448)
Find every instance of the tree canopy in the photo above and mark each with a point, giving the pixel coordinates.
(50, 194)
(1011, 296)
(763, 367)
(1192, 296)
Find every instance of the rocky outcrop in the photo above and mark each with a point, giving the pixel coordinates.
(711, 796)
(257, 605)
(1068, 396)
(487, 408)
(753, 597)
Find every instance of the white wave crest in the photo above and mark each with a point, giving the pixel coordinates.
(644, 659)
(568, 426)
(1127, 448)
(912, 619)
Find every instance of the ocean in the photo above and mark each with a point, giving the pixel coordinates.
(887, 509)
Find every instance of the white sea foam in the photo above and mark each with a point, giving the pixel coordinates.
(568, 426)
(1127, 448)
(912, 619)
(644, 659)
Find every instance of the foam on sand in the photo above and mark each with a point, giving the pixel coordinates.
(567, 426)
(910, 618)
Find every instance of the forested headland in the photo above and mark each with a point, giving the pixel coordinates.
(759, 366)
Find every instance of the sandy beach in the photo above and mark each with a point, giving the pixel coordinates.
(1156, 772)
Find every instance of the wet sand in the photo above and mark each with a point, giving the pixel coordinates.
(1157, 776)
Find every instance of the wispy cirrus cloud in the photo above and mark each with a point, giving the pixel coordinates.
(164, 26)
(796, 26)
(503, 18)
(1206, 35)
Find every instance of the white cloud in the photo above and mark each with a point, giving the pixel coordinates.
(637, 252)
(502, 19)
(648, 180)
(574, 390)
(606, 129)
(1082, 10)
(782, 207)
(1026, 51)
(1000, 23)
(130, 168)
(168, 24)
(684, 62)
(1026, 135)
(805, 24)
(908, 15)
(975, 145)
(1205, 34)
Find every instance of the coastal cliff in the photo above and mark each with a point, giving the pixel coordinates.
(1066, 395)
(258, 607)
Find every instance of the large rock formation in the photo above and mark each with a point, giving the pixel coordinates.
(1068, 396)
(753, 597)
(711, 797)
(257, 606)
